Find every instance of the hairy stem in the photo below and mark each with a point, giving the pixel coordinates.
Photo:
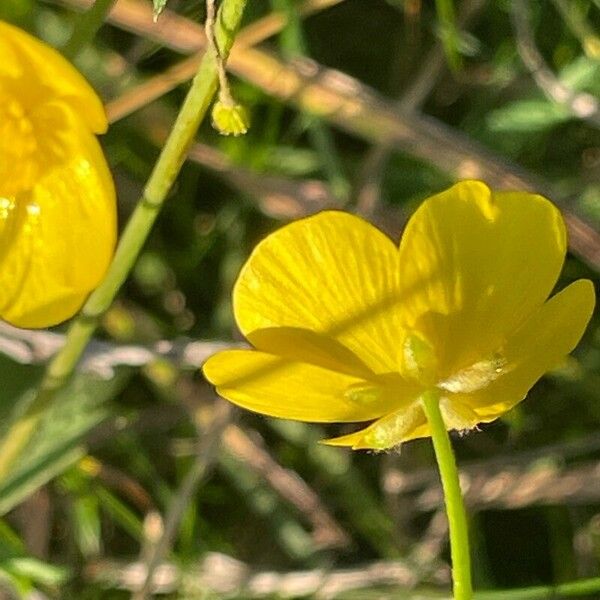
(455, 508)
(209, 27)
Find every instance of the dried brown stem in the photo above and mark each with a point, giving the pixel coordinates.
(518, 486)
(226, 576)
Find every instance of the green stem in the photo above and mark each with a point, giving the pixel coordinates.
(134, 235)
(455, 508)
(583, 587)
(86, 27)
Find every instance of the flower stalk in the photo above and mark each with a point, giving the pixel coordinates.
(455, 508)
(228, 116)
(164, 173)
(209, 28)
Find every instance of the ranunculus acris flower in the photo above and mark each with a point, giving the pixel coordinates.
(347, 327)
(57, 199)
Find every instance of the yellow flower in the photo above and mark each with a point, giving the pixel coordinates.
(57, 199)
(347, 327)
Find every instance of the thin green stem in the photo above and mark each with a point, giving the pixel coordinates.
(583, 587)
(225, 96)
(455, 508)
(86, 27)
(134, 235)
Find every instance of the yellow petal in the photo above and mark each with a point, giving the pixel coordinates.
(387, 432)
(288, 389)
(538, 346)
(303, 345)
(57, 238)
(475, 265)
(332, 273)
(41, 73)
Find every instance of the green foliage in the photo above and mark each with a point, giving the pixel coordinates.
(81, 405)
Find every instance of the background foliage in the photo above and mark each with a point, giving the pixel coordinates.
(354, 105)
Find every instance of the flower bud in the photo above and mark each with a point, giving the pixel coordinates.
(230, 119)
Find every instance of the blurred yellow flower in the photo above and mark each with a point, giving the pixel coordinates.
(347, 327)
(57, 199)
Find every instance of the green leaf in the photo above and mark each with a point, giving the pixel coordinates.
(448, 32)
(57, 444)
(10, 542)
(86, 521)
(583, 74)
(121, 513)
(35, 570)
(292, 161)
(528, 116)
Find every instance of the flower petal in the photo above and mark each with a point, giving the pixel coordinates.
(387, 432)
(303, 345)
(289, 389)
(332, 273)
(475, 265)
(57, 238)
(538, 346)
(43, 73)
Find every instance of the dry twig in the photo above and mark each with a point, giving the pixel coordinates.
(517, 486)
(224, 575)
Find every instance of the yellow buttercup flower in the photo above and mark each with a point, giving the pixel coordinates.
(57, 199)
(347, 327)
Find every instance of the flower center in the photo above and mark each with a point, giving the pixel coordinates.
(420, 363)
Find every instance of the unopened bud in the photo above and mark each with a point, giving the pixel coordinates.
(231, 119)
